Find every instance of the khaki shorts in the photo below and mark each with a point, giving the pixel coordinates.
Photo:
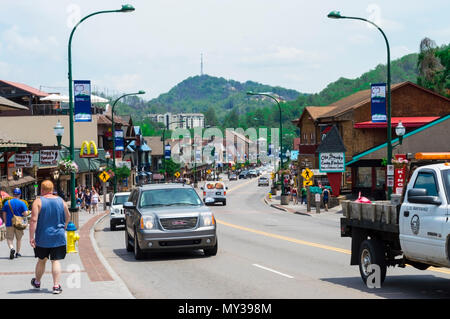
(12, 232)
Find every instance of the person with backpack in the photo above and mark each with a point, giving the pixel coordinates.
(11, 208)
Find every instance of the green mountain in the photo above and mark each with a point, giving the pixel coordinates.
(199, 93)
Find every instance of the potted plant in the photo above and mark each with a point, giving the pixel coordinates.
(66, 166)
(399, 163)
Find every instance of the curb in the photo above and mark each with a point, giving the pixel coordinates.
(285, 209)
(113, 274)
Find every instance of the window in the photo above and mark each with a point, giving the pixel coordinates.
(426, 180)
(118, 200)
(446, 178)
(364, 178)
(170, 197)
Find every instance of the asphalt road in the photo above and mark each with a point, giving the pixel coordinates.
(263, 253)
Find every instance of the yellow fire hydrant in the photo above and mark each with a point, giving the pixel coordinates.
(72, 237)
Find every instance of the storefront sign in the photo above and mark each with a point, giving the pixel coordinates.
(378, 102)
(23, 160)
(399, 176)
(119, 140)
(332, 162)
(82, 98)
(48, 157)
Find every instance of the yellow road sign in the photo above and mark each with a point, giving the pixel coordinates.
(307, 183)
(104, 177)
(177, 174)
(208, 171)
(307, 174)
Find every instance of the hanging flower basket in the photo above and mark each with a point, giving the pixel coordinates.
(66, 166)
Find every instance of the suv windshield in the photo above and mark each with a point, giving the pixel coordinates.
(120, 199)
(170, 197)
(446, 178)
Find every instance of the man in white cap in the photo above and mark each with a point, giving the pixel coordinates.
(18, 208)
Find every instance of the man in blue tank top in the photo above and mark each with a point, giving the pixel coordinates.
(49, 219)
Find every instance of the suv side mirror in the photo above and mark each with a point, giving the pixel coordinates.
(201, 188)
(129, 205)
(420, 196)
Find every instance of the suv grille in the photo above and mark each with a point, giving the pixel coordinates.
(178, 223)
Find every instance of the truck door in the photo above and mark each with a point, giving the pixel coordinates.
(422, 225)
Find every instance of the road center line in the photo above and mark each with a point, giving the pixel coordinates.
(274, 271)
(290, 239)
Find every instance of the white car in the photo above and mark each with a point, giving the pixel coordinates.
(116, 214)
(214, 192)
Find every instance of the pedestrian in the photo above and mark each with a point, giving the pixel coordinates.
(87, 200)
(294, 195)
(304, 194)
(49, 219)
(326, 194)
(11, 208)
(95, 198)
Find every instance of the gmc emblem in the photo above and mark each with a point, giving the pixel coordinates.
(179, 223)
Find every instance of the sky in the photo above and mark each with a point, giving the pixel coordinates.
(287, 43)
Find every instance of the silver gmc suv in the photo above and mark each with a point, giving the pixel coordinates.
(168, 217)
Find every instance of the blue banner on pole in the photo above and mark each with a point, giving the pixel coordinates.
(378, 102)
(82, 97)
(119, 140)
(167, 153)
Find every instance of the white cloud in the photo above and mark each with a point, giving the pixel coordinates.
(20, 44)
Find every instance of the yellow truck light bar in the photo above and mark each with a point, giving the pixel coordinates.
(433, 156)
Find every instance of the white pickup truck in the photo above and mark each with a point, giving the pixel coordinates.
(415, 232)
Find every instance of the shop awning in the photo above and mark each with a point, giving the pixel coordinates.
(19, 182)
(406, 121)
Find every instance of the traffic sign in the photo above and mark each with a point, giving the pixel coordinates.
(307, 183)
(104, 177)
(177, 174)
(208, 171)
(307, 174)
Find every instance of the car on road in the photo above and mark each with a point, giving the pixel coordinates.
(216, 192)
(263, 181)
(161, 217)
(116, 215)
(233, 177)
(252, 173)
(243, 175)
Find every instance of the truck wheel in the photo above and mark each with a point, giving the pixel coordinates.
(211, 251)
(112, 227)
(224, 203)
(372, 252)
(138, 253)
(127, 241)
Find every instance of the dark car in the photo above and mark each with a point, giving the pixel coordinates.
(243, 175)
(168, 217)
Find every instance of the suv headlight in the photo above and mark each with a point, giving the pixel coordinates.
(116, 211)
(208, 219)
(147, 222)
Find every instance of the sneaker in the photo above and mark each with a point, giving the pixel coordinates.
(18, 255)
(35, 284)
(57, 290)
(11, 254)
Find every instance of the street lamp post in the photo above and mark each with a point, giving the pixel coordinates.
(164, 144)
(125, 8)
(281, 133)
(113, 130)
(337, 15)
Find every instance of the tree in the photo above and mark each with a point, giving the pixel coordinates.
(210, 117)
(171, 167)
(431, 70)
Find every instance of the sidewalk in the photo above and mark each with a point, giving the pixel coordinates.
(85, 275)
(299, 208)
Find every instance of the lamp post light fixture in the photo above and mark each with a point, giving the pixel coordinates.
(125, 8)
(59, 132)
(281, 131)
(113, 129)
(337, 15)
